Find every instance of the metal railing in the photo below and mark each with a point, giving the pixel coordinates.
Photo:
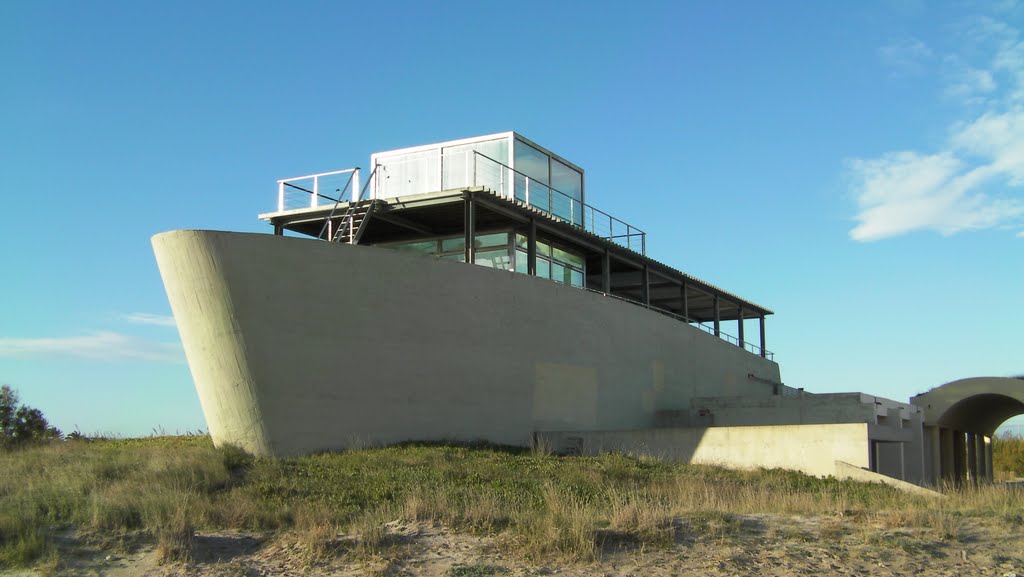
(454, 170)
(315, 190)
(515, 185)
(348, 217)
(708, 328)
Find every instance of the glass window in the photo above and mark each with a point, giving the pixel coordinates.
(456, 257)
(420, 246)
(561, 273)
(566, 180)
(494, 259)
(462, 167)
(542, 247)
(522, 262)
(531, 162)
(453, 244)
(405, 174)
(493, 239)
(543, 268)
(568, 258)
(577, 278)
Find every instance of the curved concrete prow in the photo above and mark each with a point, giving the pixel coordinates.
(845, 470)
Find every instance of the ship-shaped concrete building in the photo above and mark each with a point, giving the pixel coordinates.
(358, 322)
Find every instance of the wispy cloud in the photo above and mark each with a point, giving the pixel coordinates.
(99, 346)
(975, 181)
(150, 319)
(905, 57)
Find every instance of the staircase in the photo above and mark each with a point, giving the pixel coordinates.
(348, 226)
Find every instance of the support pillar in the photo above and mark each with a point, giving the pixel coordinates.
(959, 457)
(686, 302)
(935, 468)
(989, 472)
(645, 278)
(469, 224)
(278, 230)
(739, 325)
(764, 353)
(606, 272)
(948, 464)
(531, 247)
(718, 318)
(982, 454)
(972, 458)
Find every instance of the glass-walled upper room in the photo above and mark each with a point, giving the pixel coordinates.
(506, 163)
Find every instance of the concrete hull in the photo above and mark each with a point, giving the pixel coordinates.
(298, 346)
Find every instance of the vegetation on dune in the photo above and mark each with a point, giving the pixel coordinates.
(1008, 456)
(537, 506)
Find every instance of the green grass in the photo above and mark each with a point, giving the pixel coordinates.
(537, 506)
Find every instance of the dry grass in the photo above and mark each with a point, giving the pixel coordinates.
(536, 506)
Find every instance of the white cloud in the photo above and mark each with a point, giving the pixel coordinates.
(905, 57)
(150, 319)
(975, 181)
(971, 84)
(904, 191)
(99, 346)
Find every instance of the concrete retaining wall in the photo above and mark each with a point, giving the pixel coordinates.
(300, 345)
(812, 449)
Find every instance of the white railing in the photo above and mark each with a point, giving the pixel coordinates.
(310, 191)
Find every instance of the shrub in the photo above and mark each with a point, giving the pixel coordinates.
(21, 423)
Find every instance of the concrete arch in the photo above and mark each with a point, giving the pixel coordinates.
(960, 418)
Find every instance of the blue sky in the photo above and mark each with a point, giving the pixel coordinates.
(856, 167)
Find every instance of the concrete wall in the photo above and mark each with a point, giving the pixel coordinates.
(812, 449)
(300, 345)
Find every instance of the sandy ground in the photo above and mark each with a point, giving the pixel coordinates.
(754, 546)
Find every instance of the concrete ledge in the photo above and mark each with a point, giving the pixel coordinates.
(845, 470)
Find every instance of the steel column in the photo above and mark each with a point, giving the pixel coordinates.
(470, 227)
(739, 323)
(686, 302)
(646, 280)
(764, 353)
(972, 458)
(718, 318)
(531, 248)
(606, 272)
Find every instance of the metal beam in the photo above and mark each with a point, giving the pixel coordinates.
(404, 222)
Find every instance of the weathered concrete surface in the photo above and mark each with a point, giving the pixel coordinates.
(978, 404)
(845, 470)
(960, 418)
(300, 345)
(812, 449)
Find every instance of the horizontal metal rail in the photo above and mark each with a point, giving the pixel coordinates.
(315, 184)
(554, 201)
